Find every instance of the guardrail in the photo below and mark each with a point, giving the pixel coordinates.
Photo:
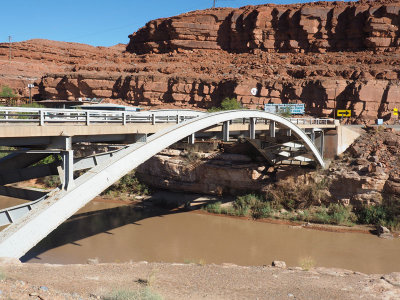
(42, 117)
(45, 116)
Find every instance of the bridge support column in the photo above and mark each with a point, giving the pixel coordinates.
(191, 139)
(140, 138)
(225, 131)
(312, 135)
(322, 143)
(67, 170)
(272, 129)
(289, 132)
(252, 128)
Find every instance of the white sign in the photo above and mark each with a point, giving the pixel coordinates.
(31, 85)
(254, 91)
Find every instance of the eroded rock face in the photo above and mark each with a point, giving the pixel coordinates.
(368, 170)
(217, 174)
(315, 27)
(197, 59)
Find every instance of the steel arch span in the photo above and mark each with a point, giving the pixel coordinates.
(48, 214)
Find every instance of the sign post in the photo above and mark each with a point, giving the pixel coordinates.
(30, 86)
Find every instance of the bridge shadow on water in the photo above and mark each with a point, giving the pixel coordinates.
(88, 224)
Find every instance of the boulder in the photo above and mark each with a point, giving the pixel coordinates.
(279, 264)
(384, 232)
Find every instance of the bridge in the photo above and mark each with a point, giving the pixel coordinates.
(31, 222)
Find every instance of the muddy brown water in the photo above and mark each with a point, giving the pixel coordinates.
(115, 233)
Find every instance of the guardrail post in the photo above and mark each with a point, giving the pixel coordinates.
(87, 116)
(41, 117)
(124, 118)
(252, 128)
(153, 119)
(6, 115)
(177, 119)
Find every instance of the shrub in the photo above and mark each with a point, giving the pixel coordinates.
(214, 208)
(252, 204)
(340, 214)
(7, 92)
(385, 215)
(307, 263)
(129, 184)
(227, 104)
(261, 210)
(334, 214)
(142, 294)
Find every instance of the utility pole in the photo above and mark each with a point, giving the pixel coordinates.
(213, 4)
(9, 44)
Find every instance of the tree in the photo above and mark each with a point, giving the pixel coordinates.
(6, 92)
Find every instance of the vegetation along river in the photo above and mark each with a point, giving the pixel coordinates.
(114, 233)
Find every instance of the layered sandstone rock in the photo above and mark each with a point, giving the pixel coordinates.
(213, 173)
(315, 27)
(221, 53)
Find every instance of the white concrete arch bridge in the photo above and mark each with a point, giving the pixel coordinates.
(30, 223)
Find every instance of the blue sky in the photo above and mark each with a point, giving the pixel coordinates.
(94, 22)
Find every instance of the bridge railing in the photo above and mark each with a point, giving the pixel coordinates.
(54, 116)
(43, 116)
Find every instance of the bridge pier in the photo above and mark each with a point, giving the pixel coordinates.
(225, 131)
(66, 171)
(252, 128)
(272, 128)
(191, 139)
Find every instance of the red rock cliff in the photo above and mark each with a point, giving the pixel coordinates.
(310, 27)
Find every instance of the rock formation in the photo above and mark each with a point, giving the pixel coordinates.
(327, 55)
(310, 27)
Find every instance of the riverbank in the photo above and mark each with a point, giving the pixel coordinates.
(191, 281)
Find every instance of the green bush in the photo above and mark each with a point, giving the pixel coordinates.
(384, 215)
(261, 210)
(7, 92)
(129, 184)
(252, 204)
(340, 214)
(335, 214)
(214, 208)
(227, 104)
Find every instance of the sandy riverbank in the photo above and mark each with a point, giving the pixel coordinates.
(192, 281)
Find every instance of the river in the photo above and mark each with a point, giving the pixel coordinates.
(115, 233)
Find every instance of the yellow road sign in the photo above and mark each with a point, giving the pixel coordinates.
(344, 113)
(395, 111)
